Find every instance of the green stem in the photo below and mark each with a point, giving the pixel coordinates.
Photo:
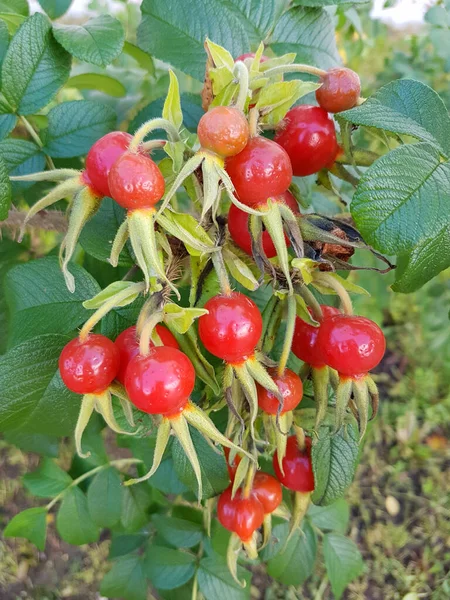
(37, 139)
(149, 126)
(311, 301)
(122, 462)
(328, 281)
(289, 335)
(241, 71)
(221, 271)
(295, 68)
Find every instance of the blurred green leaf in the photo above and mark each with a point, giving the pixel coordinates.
(168, 569)
(12, 21)
(74, 126)
(35, 66)
(5, 191)
(180, 533)
(215, 581)
(55, 8)
(99, 82)
(143, 59)
(21, 157)
(126, 579)
(38, 443)
(104, 497)
(30, 524)
(7, 119)
(99, 41)
(343, 561)
(19, 7)
(48, 480)
(73, 521)
(136, 500)
(334, 517)
(295, 563)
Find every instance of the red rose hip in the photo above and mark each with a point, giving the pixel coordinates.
(223, 130)
(304, 343)
(340, 90)
(101, 157)
(291, 388)
(240, 515)
(297, 466)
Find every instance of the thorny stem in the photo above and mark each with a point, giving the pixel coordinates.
(151, 125)
(295, 68)
(120, 463)
(52, 220)
(37, 139)
(241, 71)
(329, 281)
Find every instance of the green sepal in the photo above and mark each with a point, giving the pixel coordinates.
(300, 504)
(180, 427)
(52, 175)
(233, 550)
(292, 229)
(346, 284)
(261, 376)
(281, 428)
(274, 225)
(162, 439)
(226, 95)
(261, 260)
(361, 399)
(187, 229)
(303, 312)
(219, 55)
(239, 270)
(249, 387)
(374, 396)
(321, 380)
(172, 105)
(240, 475)
(119, 242)
(211, 179)
(175, 151)
(343, 394)
(276, 99)
(181, 318)
(267, 530)
(117, 291)
(192, 164)
(85, 204)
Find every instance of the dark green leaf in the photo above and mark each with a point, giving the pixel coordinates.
(295, 564)
(334, 460)
(175, 32)
(99, 41)
(319, 3)
(343, 561)
(34, 397)
(168, 569)
(35, 66)
(73, 521)
(143, 59)
(213, 466)
(190, 106)
(55, 8)
(4, 43)
(39, 302)
(260, 13)
(125, 544)
(5, 191)
(178, 532)
(7, 120)
(38, 443)
(47, 481)
(21, 158)
(19, 7)
(11, 253)
(136, 500)
(425, 262)
(99, 82)
(104, 498)
(30, 524)
(125, 580)
(99, 232)
(309, 32)
(215, 581)
(74, 126)
(409, 107)
(334, 517)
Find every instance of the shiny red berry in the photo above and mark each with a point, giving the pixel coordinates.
(340, 90)
(89, 367)
(103, 155)
(161, 382)
(291, 388)
(261, 171)
(251, 55)
(238, 227)
(240, 515)
(127, 344)
(297, 466)
(304, 343)
(268, 491)
(351, 345)
(308, 135)
(223, 130)
(135, 181)
(232, 327)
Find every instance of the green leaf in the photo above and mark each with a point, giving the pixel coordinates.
(319, 3)
(55, 8)
(45, 445)
(125, 544)
(261, 14)
(104, 497)
(7, 120)
(21, 158)
(215, 581)
(334, 517)
(143, 59)
(334, 460)
(5, 191)
(240, 270)
(99, 232)
(426, 261)
(168, 569)
(408, 107)
(39, 302)
(73, 521)
(125, 580)
(176, 32)
(99, 41)
(403, 199)
(136, 500)
(99, 82)
(74, 126)
(279, 97)
(34, 398)
(35, 66)
(190, 106)
(178, 532)
(182, 319)
(295, 564)
(11, 253)
(213, 466)
(48, 480)
(19, 7)
(12, 21)
(30, 524)
(309, 32)
(4, 43)
(343, 561)
(113, 289)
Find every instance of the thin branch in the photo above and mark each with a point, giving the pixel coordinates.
(48, 220)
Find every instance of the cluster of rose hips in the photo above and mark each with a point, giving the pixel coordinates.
(150, 372)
